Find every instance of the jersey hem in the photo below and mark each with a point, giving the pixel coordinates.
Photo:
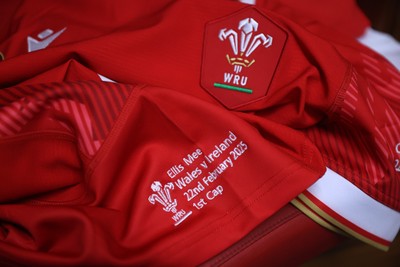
(366, 219)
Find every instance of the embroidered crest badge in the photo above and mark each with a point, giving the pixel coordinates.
(240, 55)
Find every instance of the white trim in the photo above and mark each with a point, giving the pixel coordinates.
(357, 207)
(249, 2)
(383, 43)
(105, 79)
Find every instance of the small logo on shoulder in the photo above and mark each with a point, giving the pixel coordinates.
(44, 39)
(240, 55)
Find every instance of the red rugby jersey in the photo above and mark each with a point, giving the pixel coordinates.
(169, 44)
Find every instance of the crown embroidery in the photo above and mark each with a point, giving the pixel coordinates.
(249, 42)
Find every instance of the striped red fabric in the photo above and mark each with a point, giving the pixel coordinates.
(360, 142)
(92, 106)
(383, 77)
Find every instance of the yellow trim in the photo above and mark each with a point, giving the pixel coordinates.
(229, 60)
(251, 63)
(315, 217)
(348, 230)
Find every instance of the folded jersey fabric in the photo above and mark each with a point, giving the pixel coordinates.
(346, 149)
(106, 173)
(361, 145)
(155, 169)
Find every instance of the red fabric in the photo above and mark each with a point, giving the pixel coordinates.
(288, 238)
(57, 168)
(105, 211)
(342, 16)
